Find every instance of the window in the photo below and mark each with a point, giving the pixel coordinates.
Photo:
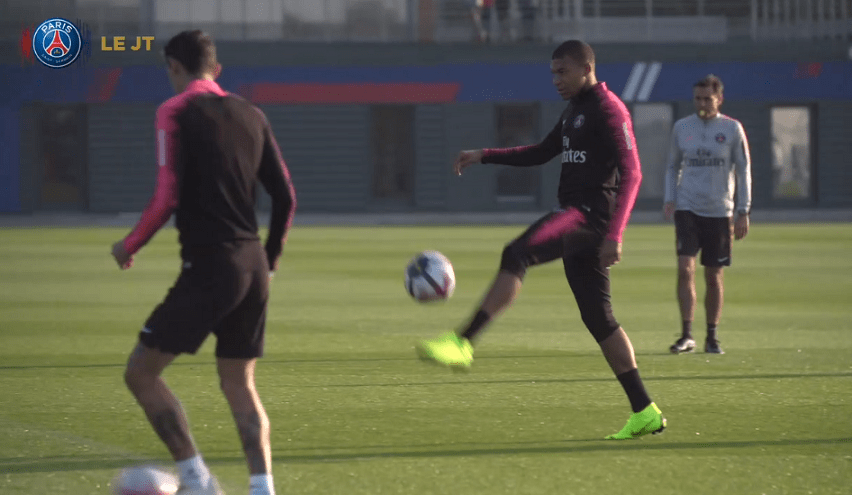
(652, 124)
(517, 125)
(393, 152)
(791, 153)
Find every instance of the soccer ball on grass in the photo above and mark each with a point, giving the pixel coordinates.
(429, 276)
(145, 480)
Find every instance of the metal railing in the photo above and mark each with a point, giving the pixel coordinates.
(774, 19)
(649, 20)
(298, 20)
(501, 21)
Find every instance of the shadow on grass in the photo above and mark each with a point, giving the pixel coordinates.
(211, 362)
(407, 358)
(99, 462)
(467, 382)
(537, 381)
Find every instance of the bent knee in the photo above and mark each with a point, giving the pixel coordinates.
(136, 379)
(600, 322)
(233, 385)
(514, 261)
(602, 331)
(237, 391)
(131, 378)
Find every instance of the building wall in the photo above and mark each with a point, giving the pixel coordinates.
(122, 161)
(430, 182)
(834, 149)
(328, 145)
(327, 149)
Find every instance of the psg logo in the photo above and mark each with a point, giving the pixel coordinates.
(57, 43)
(579, 121)
(720, 138)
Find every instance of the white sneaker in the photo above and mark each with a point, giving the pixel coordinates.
(683, 344)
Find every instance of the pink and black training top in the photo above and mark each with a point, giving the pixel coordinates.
(601, 173)
(212, 150)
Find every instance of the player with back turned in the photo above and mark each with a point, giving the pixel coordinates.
(212, 150)
(598, 186)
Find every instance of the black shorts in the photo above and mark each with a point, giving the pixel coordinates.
(711, 235)
(576, 238)
(221, 290)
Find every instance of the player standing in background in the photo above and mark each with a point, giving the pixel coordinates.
(212, 149)
(708, 162)
(597, 190)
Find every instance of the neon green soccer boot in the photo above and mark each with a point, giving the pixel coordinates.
(648, 420)
(448, 349)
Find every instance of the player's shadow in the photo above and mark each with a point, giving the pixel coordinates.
(212, 363)
(466, 379)
(99, 462)
(400, 358)
(587, 445)
(542, 381)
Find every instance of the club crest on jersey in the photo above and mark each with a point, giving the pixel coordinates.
(57, 43)
(580, 120)
(720, 138)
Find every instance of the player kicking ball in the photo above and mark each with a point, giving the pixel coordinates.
(597, 190)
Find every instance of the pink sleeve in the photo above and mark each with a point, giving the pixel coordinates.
(620, 127)
(165, 199)
(291, 191)
(275, 178)
(506, 153)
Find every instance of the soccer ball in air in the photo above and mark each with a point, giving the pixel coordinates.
(429, 276)
(145, 480)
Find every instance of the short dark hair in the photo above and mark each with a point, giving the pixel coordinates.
(194, 50)
(712, 82)
(577, 50)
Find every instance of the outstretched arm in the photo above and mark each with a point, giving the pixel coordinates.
(166, 193)
(520, 156)
(527, 156)
(465, 159)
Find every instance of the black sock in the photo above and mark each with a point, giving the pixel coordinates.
(635, 389)
(711, 332)
(686, 329)
(480, 319)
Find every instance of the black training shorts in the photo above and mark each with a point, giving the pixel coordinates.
(222, 290)
(576, 237)
(711, 235)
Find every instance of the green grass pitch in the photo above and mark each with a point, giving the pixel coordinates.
(354, 412)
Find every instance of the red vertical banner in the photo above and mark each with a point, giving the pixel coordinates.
(26, 45)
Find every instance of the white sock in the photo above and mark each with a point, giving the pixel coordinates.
(261, 484)
(193, 472)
